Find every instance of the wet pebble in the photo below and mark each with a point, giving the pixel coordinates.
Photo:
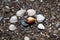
(41, 26)
(12, 27)
(13, 19)
(31, 12)
(40, 18)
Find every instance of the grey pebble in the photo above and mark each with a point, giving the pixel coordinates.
(6, 1)
(1, 18)
(57, 24)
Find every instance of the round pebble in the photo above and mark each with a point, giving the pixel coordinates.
(31, 12)
(40, 18)
(26, 38)
(20, 12)
(41, 26)
(13, 19)
(12, 27)
(30, 20)
(24, 23)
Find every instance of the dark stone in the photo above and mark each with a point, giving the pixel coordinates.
(24, 23)
(33, 38)
(1, 33)
(1, 18)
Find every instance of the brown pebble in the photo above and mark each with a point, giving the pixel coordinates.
(30, 20)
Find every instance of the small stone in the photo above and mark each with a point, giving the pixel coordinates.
(41, 26)
(12, 27)
(57, 24)
(41, 0)
(33, 38)
(20, 13)
(31, 0)
(30, 20)
(6, 1)
(7, 7)
(26, 38)
(31, 12)
(53, 17)
(24, 23)
(17, 0)
(13, 19)
(1, 18)
(40, 18)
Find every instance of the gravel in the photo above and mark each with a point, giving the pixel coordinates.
(50, 9)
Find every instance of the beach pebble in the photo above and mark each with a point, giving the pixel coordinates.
(57, 24)
(31, 12)
(26, 38)
(31, 0)
(41, 0)
(53, 17)
(6, 1)
(30, 20)
(12, 27)
(13, 19)
(1, 18)
(7, 7)
(20, 13)
(40, 18)
(41, 26)
(24, 23)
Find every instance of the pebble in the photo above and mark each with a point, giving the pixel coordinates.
(30, 20)
(12, 27)
(31, 0)
(20, 13)
(31, 12)
(33, 38)
(26, 38)
(24, 23)
(13, 19)
(1, 18)
(53, 17)
(6, 1)
(41, 0)
(57, 24)
(41, 26)
(7, 7)
(40, 18)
